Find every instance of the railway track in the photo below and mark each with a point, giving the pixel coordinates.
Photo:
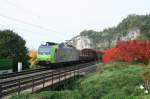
(30, 81)
(26, 72)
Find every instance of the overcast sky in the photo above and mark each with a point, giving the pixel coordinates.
(38, 21)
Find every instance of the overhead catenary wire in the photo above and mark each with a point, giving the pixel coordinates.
(31, 24)
(27, 32)
(20, 8)
(27, 23)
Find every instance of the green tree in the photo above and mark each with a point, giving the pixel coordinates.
(12, 46)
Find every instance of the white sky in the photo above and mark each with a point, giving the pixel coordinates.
(60, 20)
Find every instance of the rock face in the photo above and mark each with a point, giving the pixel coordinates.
(131, 35)
(81, 42)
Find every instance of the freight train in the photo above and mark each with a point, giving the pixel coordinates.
(53, 53)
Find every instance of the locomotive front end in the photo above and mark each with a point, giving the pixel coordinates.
(44, 54)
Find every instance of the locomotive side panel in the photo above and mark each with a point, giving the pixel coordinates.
(66, 54)
(73, 54)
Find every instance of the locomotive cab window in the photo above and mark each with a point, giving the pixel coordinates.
(44, 50)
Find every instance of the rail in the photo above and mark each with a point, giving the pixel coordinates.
(21, 73)
(16, 83)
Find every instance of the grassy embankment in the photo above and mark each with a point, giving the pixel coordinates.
(112, 81)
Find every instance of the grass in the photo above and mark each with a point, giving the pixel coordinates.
(112, 81)
(51, 95)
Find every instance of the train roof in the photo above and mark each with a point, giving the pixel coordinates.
(95, 50)
(88, 49)
(51, 43)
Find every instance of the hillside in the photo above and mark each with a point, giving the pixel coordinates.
(132, 27)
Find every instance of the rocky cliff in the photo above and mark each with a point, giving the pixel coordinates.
(81, 42)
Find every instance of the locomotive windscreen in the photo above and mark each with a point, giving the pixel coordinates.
(44, 50)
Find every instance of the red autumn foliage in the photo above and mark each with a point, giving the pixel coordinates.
(110, 55)
(129, 51)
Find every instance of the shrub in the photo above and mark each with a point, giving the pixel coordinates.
(129, 51)
(110, 55)
(115, 81)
